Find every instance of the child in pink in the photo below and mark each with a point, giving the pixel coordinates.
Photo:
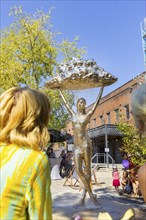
(116, 177)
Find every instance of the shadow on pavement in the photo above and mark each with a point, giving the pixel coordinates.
(111, 202)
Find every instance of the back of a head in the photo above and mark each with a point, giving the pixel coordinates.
(24, 116)
(138, 105)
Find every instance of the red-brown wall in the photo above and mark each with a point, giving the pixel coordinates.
(117, 99)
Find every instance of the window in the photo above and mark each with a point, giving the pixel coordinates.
(117, 114)
(101, 120)
(94, 122)
(127, 111)
(108, 118)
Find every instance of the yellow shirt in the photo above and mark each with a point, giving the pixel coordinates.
(24, 184)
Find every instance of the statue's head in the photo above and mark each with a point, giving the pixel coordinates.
(81, 105)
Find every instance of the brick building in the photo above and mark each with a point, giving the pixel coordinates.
(102, 128)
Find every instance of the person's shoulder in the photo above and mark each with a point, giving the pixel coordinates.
(41, 160)
(38, 156)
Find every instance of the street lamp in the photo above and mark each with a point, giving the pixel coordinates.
(106, 147)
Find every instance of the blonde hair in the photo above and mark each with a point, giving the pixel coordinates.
(138, 104)
(24, 116)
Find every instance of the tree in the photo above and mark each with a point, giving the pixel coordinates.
(29, 56)
(133, 143)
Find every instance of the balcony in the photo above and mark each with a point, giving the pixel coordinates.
(107, 129)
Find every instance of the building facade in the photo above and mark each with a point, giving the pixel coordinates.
(102, 128)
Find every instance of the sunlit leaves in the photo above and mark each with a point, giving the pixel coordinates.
(29, 55)
(132, 142)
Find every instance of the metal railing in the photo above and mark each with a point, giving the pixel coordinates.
(103, 158)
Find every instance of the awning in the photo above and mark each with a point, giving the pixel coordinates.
(58, 136)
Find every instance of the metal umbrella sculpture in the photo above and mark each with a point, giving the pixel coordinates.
(81, 74)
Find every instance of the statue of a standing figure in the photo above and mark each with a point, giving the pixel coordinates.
(82, 143)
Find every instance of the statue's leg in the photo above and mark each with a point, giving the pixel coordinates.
(82, 199)
(87, 172)
(79, 169)
(87, 161)
(78, 164)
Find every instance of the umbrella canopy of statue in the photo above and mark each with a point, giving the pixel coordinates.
(79, 74)
(58, 136)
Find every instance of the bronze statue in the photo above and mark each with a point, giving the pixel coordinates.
(79, 74)
(82, 143)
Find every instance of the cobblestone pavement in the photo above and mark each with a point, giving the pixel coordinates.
(65, 198)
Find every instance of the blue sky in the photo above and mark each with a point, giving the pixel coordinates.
(110, 31)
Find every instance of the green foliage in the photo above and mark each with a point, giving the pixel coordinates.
(132, 142)
(27, 50)
(70, 49)
(59, 116)
(29, 56)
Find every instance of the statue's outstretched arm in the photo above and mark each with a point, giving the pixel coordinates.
(71, 112)
(91, 111)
